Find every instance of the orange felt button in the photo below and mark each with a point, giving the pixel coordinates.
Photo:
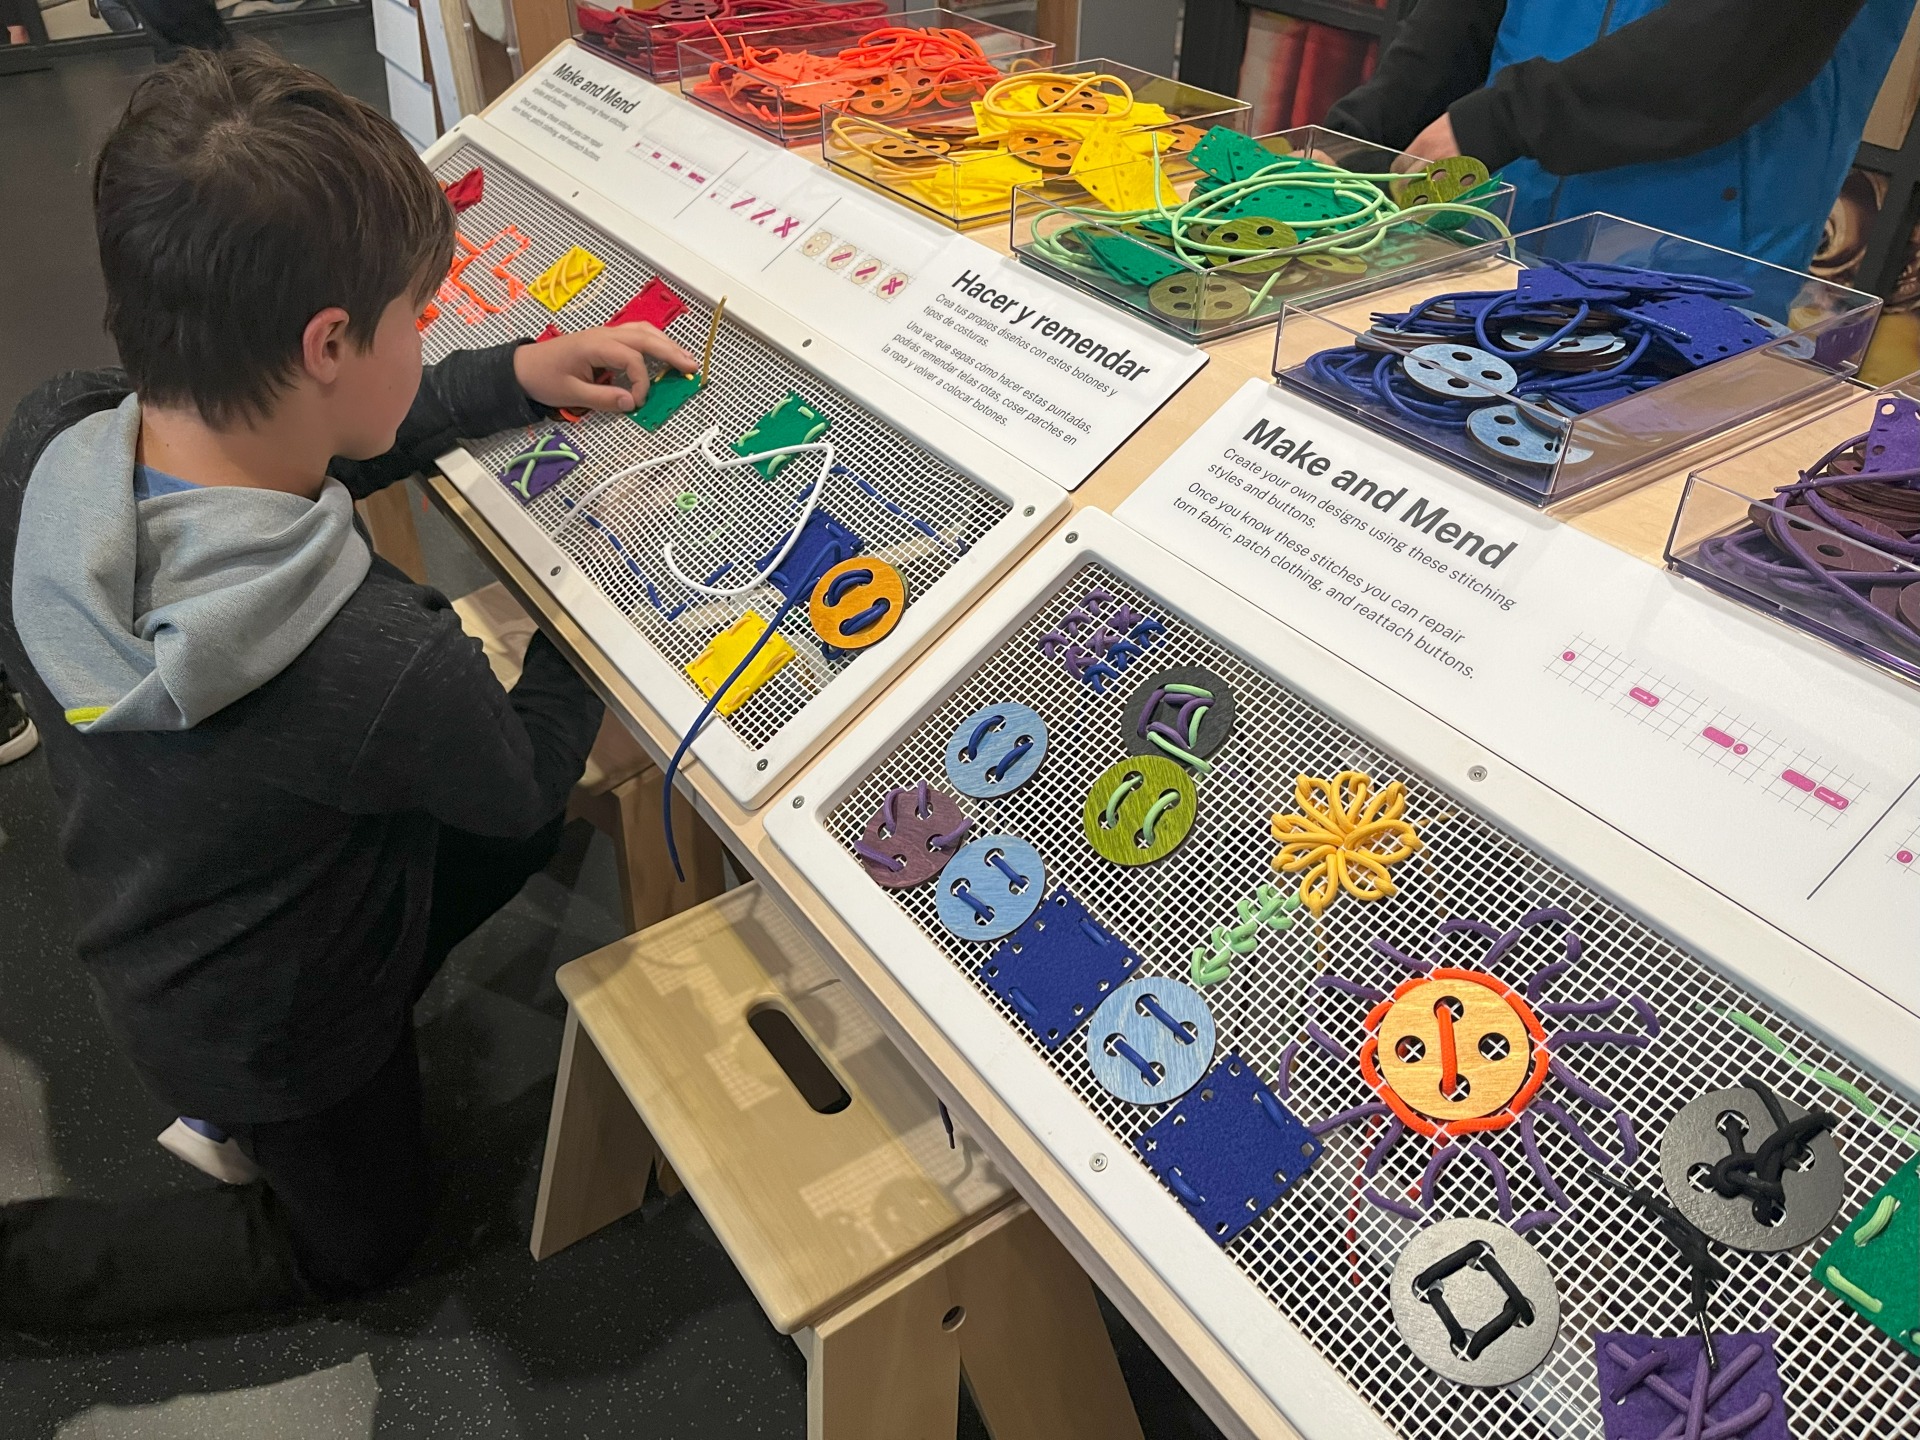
(857, 603)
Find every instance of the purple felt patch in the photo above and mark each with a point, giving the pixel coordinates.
(539, 467)
(1662, 1389)
(1893, 440)
(1698, 329)
(1546, 285)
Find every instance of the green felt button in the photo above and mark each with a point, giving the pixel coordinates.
(1140, 809)
(792, 422)
(1133, 261)
(1228, 155)
(664, 397)
(1875, 1264)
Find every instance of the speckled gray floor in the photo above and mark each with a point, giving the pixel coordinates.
(643, 1330)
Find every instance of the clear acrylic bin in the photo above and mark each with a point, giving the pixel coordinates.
(965, 186)
(1728, 536)
(1053, 221)
(790, 112)
(1824, 330)
(646, 39)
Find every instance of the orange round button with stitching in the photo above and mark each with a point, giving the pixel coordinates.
(857, 603)
(1454, 1051)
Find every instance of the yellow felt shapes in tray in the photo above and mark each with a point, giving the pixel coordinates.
(1113, 171)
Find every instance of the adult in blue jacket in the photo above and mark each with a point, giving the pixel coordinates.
(1730, 121)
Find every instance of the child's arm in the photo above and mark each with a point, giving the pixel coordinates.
(471, 392)
(451, 742)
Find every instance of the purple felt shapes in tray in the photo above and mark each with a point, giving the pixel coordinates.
(1660, 1388)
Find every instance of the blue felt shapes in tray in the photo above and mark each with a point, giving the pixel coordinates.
(1229, 1149)
(1057, 968)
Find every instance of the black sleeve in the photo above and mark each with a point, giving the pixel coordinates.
(470, 393)
(1691, 75)
(1440, 52)
(451, 742)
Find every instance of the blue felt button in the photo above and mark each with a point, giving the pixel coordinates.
(1229, 1149)
(996, 750)
(824, 542)
(990, 887)
(1056, 969)
(1150, 1040)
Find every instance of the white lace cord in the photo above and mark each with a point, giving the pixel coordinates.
(580, 506)
(822, 448)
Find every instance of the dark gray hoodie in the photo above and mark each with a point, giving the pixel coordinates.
(257, 732)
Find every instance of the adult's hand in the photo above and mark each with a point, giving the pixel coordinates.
(1436, 142)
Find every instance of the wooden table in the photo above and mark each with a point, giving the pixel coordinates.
(1633, 516)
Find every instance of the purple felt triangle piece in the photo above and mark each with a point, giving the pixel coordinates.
(1893, 440)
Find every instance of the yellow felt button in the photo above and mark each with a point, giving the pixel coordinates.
(566, 277)
(710, 668)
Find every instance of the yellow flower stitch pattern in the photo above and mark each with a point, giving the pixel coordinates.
(1344, 837)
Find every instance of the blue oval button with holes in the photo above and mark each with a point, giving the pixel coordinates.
(1150, 1040)
(990, 888)
(996, 750)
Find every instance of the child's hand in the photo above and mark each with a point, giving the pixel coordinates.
(559, 373)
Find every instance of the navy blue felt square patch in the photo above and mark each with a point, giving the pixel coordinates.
(1228, 1149)
(1548, 285)
(824, 542)
(1057, 968)
(1700, 330)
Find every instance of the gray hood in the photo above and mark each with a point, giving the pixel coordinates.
(154, 614)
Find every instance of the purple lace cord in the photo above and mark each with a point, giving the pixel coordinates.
(1347, 1117)
(1530, 1146)
(1387, 1203)
(1325, 1041)
(1283, 1072)
(1575, 1131)
(1447, 1154)
(951, 838)
(1384, 1146)
(1327, 981)
(1691, 1416)
(1535, 1219)
(874, 857)
(1633, 1040)
(1405, 961)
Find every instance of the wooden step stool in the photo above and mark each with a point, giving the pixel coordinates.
(894, 1259)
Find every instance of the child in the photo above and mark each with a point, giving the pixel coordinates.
(291, 783)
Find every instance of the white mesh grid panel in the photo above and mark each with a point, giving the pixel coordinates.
(1323, 1255)
(739, 518)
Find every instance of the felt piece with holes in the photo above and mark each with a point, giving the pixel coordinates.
(1057, 968)
(792, 422)
(467, 191)
(1228, 155)
(710, 668)
(554, 286)
(1712, 330)
(1134, 261)
(824, 542)
(539, 467)
(1893, 440)
(665, 396)
(1643, 1376)
(1550, 285)
(1229, 1149)
(1875, 1264)
(655, 305)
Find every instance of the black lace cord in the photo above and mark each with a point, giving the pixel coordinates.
(1477, 1253)
(1756, 1175)
(1695, 1251)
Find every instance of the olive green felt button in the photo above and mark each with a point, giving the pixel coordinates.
(1139, 810)
(1441, 182)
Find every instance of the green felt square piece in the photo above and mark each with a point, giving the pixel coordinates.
(1133, 261)
(1875, 1264)
(792, 422)
(1228, 155)
(665, 396)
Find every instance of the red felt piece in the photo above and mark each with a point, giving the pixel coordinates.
(552, 332)
(655, 305)
(465, 192)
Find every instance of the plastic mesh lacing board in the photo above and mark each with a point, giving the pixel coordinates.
(740, 518)
(1322, 1255)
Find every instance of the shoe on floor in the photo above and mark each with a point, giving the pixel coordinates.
(17, 735)
(209, 1149)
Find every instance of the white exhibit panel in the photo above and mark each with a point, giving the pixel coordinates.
(1651, 989)
(1056, 381)
(942, 508)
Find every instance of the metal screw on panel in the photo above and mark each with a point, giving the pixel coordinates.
(799, 802)
(760, 765)
(554, 571)
(1099, 1162)
(1478, 772)
(806, 342)
(1027, 511)
(1072, 535)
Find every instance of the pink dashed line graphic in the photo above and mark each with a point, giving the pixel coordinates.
(1729, 742)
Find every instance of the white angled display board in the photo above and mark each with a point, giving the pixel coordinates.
(1649, 983)
(1772, 768)
(1056, 380)
(946, 509)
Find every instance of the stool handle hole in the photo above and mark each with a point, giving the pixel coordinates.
(797, 1059)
